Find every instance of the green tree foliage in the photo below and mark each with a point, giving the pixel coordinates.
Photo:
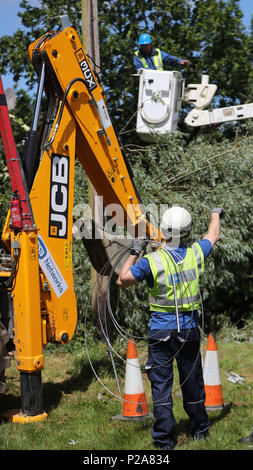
(199, 176)
(36, 21)
(210, 170)
(209, 33)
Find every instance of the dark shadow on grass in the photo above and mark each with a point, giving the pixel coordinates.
(9, 402)
(183, 426)
(81, 380)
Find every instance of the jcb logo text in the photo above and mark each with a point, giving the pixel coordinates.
(59, 190)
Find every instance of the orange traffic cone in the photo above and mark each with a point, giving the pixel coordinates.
(135, 405)
(212, 380)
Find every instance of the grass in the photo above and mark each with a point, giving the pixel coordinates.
(80, 408)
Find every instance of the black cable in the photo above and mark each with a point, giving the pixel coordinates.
(61, 108)
(121, 254)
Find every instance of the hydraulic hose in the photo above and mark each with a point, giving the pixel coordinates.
(49, 142)
(32, 142)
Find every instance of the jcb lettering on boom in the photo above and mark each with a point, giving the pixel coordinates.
(59, 190)
(87, 73)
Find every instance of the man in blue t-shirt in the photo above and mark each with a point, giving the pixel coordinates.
(173, 275)
(151, 58)
(141, 271)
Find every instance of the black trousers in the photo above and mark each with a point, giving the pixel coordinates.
(184, 347)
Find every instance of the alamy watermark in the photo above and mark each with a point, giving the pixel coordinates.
(112, 222)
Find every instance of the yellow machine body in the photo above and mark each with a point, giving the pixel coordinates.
(43, 292)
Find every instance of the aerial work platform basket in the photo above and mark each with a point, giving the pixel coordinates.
(159, 102)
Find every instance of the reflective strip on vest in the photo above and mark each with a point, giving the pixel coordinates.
(188, 275)
(158, 62)
(161, 296)
(199, 260)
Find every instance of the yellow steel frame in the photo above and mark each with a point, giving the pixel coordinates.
(42, 314)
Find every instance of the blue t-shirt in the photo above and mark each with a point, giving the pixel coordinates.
(167, 59)
(167, 321)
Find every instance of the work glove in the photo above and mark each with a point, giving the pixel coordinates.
(218, 210)
(185, 62)
(139, 244)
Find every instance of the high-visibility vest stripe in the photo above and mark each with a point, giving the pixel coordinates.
(171, 303)
(184, 277)
(158, 62)
(199, 258)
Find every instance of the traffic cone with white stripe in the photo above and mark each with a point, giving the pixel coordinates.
(135, 405)
(212, 380)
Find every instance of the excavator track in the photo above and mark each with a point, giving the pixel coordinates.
(5, 360)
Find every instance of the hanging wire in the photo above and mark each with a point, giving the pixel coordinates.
(119, 255)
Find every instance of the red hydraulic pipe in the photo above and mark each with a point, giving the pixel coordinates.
(17, 177)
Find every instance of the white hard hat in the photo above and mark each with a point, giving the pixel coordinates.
(176, 220)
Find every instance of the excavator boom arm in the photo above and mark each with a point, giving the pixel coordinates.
(97, 145)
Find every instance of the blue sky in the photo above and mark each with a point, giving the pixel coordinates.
(9, 22)
(247, 9)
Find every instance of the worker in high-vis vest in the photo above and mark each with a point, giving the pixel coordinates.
(174, 274)
(149, 57)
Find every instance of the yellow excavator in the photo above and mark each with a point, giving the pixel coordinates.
(36, 270)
